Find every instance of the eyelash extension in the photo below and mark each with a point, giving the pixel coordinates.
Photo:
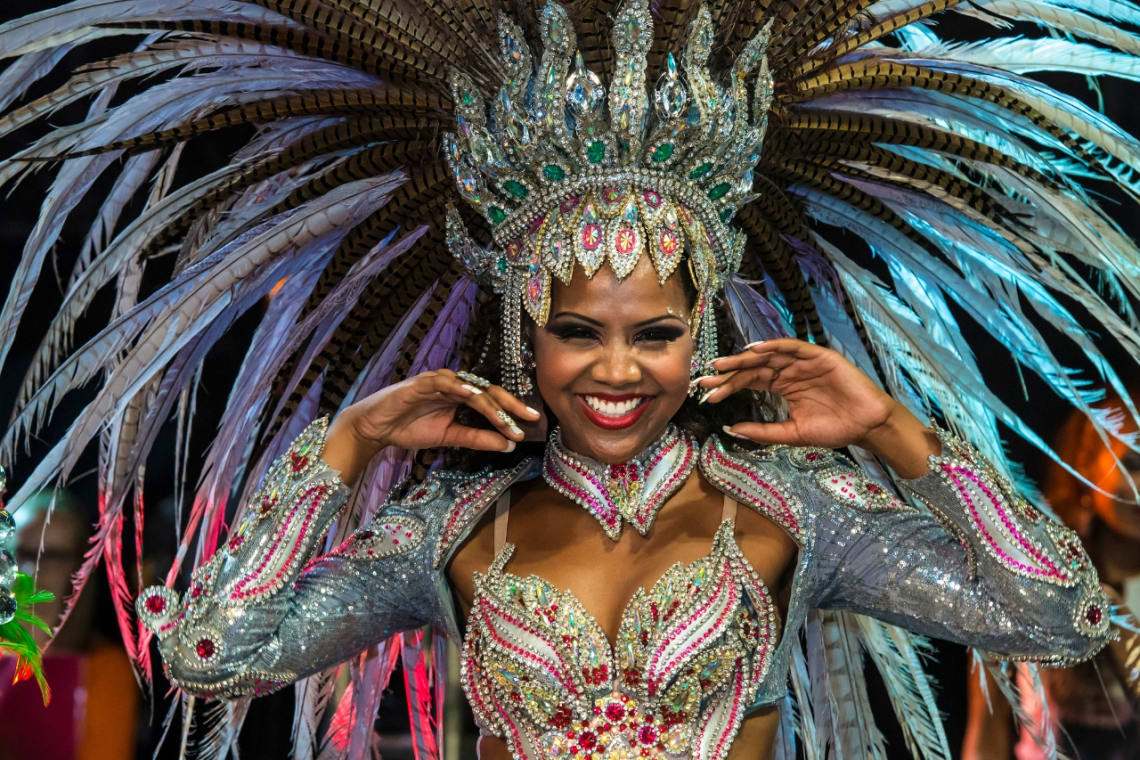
(653, 335)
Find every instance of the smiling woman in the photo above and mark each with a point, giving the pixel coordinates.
(598, 314)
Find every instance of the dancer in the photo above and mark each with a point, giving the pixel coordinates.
(620, 209)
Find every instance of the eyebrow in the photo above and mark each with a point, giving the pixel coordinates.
(596, 323)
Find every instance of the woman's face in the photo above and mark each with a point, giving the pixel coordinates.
(613, 360)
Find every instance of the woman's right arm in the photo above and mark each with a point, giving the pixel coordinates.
(259, 614)
(264, 611)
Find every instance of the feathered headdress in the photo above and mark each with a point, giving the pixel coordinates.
(970, 181)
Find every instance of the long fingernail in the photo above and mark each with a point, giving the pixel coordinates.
(511, 445)
(532, 412)
(471, 389)
(755, 343)
(705, 396)
(728, 431)
(509, 422)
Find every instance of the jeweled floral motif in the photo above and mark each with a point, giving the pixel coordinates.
(855, 489)
(689, 656)
(386, 536)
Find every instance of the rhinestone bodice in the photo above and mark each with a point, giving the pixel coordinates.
(688, 659)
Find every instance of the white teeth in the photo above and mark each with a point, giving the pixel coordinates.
(613, 408)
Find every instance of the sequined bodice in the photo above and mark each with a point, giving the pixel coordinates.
(689, 656)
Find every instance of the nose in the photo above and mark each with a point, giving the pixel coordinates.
(616, 366)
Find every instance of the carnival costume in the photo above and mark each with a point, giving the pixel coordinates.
(724, 138)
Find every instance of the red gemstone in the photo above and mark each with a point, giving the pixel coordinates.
(205, 649)
(155, 604)
(1093, 615)
(236, 542)
(647, 735)
(561, 717)
(364, 535)
(588, 740)
(615, 711)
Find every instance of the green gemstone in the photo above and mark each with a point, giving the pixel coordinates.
(467, 98)
(725, 215)
(662, 152)
(596, 152)
(554, 172)
(516, 189)
(718, 191)
(502, 265)
(700, 171)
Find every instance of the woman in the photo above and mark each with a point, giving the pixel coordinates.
(555, 642)
(615, 246)
(1094, 707)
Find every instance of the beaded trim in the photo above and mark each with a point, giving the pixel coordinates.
(634, 490)
(996, 515)
(739, 475)
(263, 682)
(285, 548)
(473, 496)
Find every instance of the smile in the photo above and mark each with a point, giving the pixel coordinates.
(614, 412)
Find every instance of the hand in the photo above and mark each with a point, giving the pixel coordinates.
(831, 403)
(419, 413)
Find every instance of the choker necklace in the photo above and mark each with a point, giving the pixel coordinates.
(634, 490)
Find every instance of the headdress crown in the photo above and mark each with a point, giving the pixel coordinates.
(561, 183)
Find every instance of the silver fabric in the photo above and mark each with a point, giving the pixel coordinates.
(929, 565)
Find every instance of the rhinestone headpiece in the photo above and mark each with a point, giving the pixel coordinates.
(562, 183)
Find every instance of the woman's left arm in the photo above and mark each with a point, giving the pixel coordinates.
(974, 563)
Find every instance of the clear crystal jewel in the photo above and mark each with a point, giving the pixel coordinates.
(671, 96)
(584, 90)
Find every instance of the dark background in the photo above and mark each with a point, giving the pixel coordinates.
(270, 716)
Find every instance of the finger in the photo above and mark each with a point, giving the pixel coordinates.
(513, 405)
(462, 436)
(760, 379)
(799, 348)
(753, 359)
(486, 405)
(711, 381)
(764, 432)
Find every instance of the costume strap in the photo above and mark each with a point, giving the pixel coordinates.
(502, 514)
(728, 510)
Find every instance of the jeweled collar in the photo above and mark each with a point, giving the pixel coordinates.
(635, 490)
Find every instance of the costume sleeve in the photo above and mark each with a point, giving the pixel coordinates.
(971, 561)
(264, 612)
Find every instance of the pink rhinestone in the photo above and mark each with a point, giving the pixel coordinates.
(155, 604)
(614, 711)
(647, 735)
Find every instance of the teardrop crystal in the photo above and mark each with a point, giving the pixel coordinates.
(671, 96)
(584, 91)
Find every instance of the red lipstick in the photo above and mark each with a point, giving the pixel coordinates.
(615, 423)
